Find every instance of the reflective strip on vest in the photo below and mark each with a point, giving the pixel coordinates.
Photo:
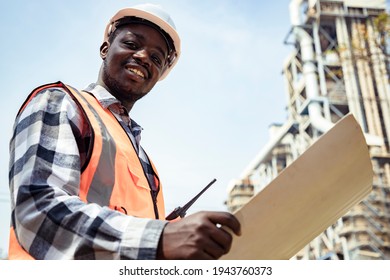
(113, 176)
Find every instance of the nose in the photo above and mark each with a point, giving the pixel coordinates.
(142, 56)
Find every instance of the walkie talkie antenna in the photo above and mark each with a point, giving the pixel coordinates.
(182, 211)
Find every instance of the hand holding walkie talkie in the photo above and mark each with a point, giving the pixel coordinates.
(202, 235)
(181, 211)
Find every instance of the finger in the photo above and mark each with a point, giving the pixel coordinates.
(215, 249)
(226, 219)
(202, 255)
(223, 239)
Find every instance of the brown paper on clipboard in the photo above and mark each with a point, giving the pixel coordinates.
(308, 196)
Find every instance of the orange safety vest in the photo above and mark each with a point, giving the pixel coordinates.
(113, 175)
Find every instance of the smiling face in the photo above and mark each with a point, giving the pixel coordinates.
(133, 62)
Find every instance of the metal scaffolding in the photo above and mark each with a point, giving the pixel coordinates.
(338, 65)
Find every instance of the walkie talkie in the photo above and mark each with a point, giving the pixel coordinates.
(182, 211)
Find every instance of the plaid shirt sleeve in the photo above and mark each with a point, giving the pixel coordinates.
(51, 222)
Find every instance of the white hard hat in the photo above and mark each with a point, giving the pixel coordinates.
(156, 15)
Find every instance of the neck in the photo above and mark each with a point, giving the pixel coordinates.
(128, 104)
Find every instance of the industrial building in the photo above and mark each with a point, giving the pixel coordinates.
(339, 65)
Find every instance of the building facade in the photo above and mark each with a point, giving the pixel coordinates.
(339, 65)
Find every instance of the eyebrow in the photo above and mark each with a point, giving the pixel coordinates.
(142, 37)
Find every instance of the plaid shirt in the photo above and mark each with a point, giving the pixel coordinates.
(48, 147)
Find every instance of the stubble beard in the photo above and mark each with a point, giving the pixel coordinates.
(115, 88)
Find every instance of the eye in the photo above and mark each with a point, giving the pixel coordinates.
(157, 59)
(131, 45)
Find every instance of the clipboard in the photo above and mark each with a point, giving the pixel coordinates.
(313, 192)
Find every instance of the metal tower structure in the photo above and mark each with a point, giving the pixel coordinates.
(339, 65)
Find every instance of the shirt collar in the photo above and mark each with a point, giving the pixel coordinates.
(104, 97)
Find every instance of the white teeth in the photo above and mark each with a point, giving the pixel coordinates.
(136, 71)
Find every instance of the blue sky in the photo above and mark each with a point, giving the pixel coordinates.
(206, 120)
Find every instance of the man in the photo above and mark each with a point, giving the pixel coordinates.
(82, 187)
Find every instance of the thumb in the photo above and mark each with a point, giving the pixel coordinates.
(227, 221)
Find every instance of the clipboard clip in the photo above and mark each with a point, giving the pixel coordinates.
(182, 211)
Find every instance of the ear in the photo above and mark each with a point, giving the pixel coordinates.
(104, 49)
